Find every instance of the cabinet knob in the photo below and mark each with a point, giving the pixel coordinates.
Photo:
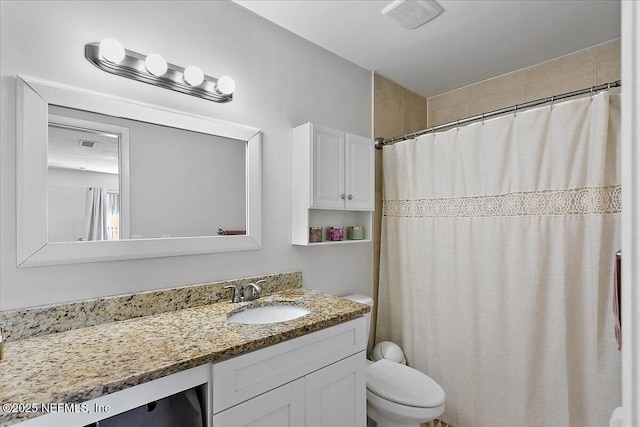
(350, 197)
(343, 196)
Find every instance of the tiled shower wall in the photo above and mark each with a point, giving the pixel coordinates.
(396, 111)
(584, 68)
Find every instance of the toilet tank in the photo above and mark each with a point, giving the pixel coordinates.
(363, 299)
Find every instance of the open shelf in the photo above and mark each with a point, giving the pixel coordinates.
(327, 218)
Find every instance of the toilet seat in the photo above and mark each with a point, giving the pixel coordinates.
(403, 385)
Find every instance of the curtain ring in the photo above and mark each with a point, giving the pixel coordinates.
(482, 119)
(458, 125)
(608, 86)
(515, 109)
(591, 94)
(553, 98)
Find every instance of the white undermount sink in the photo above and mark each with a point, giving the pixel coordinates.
(268, 314)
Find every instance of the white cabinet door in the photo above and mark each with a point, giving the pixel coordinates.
(336, 395)
(281, 407)
(241, 378)
(360, 173)
(328, 162)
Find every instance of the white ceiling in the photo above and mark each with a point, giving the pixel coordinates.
(65, 150)
(470, 41)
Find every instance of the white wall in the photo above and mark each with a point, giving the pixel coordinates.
(282, 81)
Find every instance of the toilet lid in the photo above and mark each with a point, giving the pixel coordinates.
(404, 385)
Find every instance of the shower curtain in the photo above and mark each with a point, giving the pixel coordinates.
(497, 260)
(96, 214)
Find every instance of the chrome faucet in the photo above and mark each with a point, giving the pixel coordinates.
(246, 292)
(252, 290)
(237, 292)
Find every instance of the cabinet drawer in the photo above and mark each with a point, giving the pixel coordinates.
(243, 377)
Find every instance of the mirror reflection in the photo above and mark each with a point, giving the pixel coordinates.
(111, 178)
(82, 180)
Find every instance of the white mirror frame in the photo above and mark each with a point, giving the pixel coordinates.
(32, 101)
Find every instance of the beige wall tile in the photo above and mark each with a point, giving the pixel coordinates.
(608, 71)
(415, 112)
(396, 111)
(560, 83)
(608, 51)
(596, 65)
(377, 216)
(581, 62)
(495, 85)
(449, 99)
(444, 115)
(388, 110)
(497, 100)
(564, 74)
(378, 170)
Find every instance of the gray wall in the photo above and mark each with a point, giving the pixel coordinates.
(282, 81)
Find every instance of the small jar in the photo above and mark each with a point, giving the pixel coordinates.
(315, 234)
(356, 232)
(335, 233)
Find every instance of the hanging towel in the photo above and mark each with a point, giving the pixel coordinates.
(616, 302)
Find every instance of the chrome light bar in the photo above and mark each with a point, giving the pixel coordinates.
(130, 64)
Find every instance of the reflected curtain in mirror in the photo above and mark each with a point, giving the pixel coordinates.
(96, 214)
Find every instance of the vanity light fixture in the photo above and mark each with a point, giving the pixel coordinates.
(109, 55)
(226, 85)
(111, 50)
(156, 64)
(193, 75)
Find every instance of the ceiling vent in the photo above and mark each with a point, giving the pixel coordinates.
(88, 144)
(412, 13)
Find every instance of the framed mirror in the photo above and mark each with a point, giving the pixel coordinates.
(104, 178)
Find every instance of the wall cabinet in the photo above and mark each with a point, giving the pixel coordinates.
(333, 181)
(314, 380)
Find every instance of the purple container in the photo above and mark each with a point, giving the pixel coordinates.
(335, 233)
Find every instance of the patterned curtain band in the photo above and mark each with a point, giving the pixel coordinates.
(576, 201)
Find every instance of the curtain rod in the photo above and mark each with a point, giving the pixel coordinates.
(381, 142)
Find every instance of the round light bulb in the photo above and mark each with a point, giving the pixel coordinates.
(226, 85)
(156, 64)
(111, 50)
(193, 75)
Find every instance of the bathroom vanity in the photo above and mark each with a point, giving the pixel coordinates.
(306, 371)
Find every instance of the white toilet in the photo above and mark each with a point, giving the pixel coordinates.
(397, 395)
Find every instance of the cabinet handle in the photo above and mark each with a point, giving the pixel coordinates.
(350, 197)
(344, 196)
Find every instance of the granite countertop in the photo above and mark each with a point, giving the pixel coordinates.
(83, 364)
